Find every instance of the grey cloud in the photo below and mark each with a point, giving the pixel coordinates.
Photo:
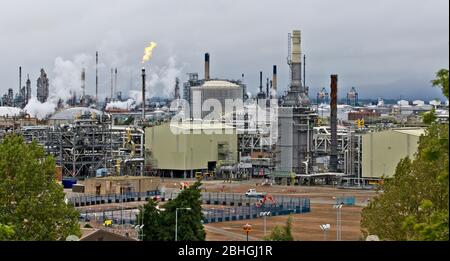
(383, 48)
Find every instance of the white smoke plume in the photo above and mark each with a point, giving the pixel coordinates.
(136, 96)
(65, 82)
(67, 76)
(125, 105)
(40, 110)
(162, 80)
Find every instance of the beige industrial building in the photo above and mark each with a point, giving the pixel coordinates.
(382, 151)
(181, 149)
(120, 184)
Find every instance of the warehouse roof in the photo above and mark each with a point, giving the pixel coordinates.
(415, 132)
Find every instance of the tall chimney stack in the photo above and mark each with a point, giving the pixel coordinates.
(274, 78)
(143, 94)
(333, 119)
(20, 78)
(267, 89)
(304, 71)
(115, 81)
(260, 82)
(83, 83)
(206, 66)
(112, 83)
(96, 77)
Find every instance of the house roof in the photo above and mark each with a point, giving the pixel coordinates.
(104, 235)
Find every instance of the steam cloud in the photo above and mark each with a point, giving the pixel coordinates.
(66, 82)
(39, 110)
(125, 105)
(160, 82)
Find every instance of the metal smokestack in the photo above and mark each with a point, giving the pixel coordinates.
(274, 78)
(83, 83)
(115, 82)
(206, 66)
(96, 77)
(333, 121)
(20, 78)
(271, 88)
(296, 60)
(112, 83)
(143, 94)
(260, 82)
(304, 70)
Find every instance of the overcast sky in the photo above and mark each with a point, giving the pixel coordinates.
(384, 48)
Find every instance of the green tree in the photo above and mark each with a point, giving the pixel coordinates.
(429, 117)
(442, 81)
(6, 232)
(282, 233)
(414, 204)
(151, 217)
(160, 225)
(31, 201)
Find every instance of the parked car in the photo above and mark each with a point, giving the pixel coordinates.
(251, 193)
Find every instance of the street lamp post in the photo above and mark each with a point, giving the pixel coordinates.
(247, 228)
(264, 214)
(176, 221)
(325, 228)
(338, 208)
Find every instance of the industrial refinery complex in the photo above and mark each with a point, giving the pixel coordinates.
(213, 129)
(299, 137)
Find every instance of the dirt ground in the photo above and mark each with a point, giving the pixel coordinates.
(319, 193)
(305, 227)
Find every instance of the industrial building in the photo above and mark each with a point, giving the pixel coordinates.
(382, 151)
(42, 87)
(182, 149)
(83, 140)
(296, 119)
(119, 185)
(217, 90)
(204, 89)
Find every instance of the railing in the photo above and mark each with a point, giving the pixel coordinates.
(210, 215)
(87, 200)
(234, 206)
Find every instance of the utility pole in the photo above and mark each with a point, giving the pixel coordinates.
(338, 208)
(265, 214)
(96, 77)
(176, 221)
